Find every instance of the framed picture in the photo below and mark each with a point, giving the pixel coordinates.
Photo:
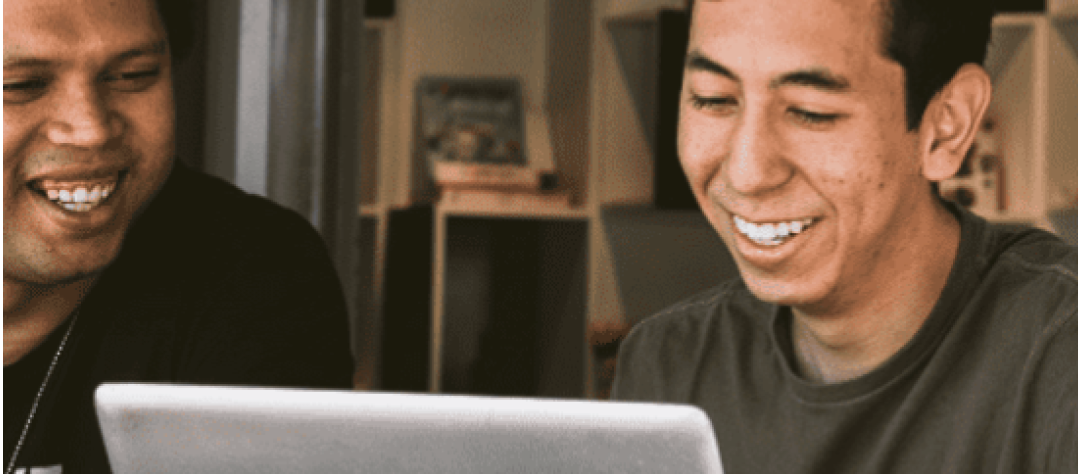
(471, 121)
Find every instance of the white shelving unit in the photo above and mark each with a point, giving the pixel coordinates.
(477, 38)
(1033, 61)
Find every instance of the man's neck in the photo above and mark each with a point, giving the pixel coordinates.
(887, 311)
(33, 312)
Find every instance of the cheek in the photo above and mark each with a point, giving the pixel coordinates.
(700, 148)
(16, 141)
(856, 168)
(9, 139)
(831, 164)
(150, 123)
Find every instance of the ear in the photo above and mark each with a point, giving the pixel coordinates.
(951, 122)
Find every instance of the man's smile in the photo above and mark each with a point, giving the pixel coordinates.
(77, 195)
(771, 234)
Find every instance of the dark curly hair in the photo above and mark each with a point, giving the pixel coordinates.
(180, 20)
(931, 40)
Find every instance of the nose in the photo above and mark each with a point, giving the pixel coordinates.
(755, 164)
(82, 118)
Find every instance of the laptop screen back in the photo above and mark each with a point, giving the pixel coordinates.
(189, 429)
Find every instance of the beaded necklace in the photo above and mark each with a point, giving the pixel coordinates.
(38, 397)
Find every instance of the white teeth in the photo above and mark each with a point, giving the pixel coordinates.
(81, 199)
(77, 206)
(770, 234)
(766, 232)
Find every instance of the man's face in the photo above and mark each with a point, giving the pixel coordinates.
(88, 131)
(793, 137)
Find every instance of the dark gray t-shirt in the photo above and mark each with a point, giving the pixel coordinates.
(988, 385)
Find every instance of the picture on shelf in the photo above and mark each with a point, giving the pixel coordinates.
(471, 120)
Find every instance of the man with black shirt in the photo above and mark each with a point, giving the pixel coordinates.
(875, 328)
(122, 265)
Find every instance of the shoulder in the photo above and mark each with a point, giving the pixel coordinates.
(201, 208)
(1034, 267)
(1033, 249)
(199, 224)
(663, 354)
(221, 286)
(728, 305)
(1030, 280)
(206, 244)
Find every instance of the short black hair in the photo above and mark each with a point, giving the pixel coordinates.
(180, 20)
(931, 40)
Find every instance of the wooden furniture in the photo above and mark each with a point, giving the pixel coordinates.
(485, 302)
(1034, 65)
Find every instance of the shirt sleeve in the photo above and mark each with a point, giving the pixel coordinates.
(1063, 454)
(639, 376)
(1062, 446)
(280, 319)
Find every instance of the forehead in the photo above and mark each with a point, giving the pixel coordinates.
(59, 29)
(788, 34)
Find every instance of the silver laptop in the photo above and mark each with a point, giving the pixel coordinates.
(202, 429)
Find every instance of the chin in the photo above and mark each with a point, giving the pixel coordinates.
(778, 291)
(77, 261)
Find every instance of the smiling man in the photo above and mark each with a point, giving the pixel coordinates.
(875, 328)
(121, 265)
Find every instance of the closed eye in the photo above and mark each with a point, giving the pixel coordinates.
(133, 81)
(716, 104)
(814, 119)
(17, 92)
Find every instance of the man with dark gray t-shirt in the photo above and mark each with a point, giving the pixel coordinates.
(875, 327)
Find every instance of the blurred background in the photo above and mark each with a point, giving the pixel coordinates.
(526, 280)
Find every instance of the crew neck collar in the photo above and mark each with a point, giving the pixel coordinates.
(961, 282)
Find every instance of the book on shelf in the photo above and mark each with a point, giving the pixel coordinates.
(502, 200)
(457, 175)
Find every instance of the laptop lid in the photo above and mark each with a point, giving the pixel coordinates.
(195, 429)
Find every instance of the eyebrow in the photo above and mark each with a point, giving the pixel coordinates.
(152, 48)
(817, 78)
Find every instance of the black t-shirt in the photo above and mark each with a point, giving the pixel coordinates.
(989, 384)
(212, 286)
(22, 382)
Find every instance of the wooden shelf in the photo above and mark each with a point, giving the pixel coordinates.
(1022, 19)
(642, 16)
(638, 10)
(372, 210)
(512, 212)
(377, 23)
(1011, 218)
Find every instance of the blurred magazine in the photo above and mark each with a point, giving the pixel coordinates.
(471, 121)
